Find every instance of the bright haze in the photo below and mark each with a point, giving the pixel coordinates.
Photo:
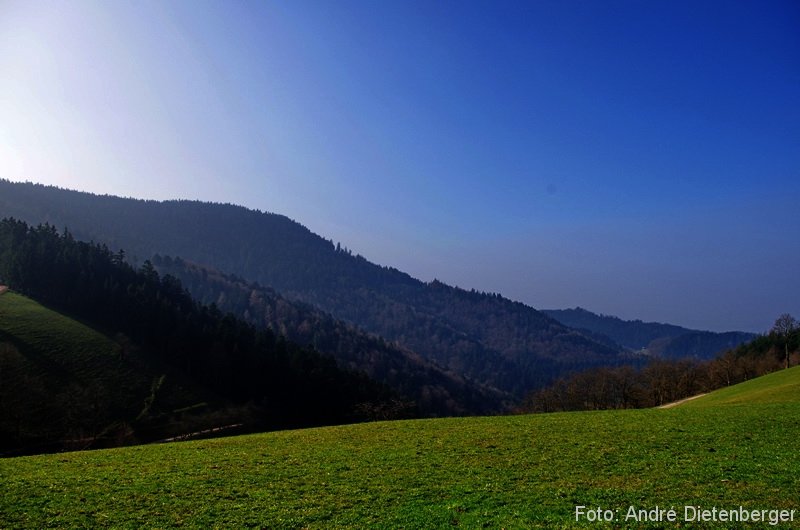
(640, 159)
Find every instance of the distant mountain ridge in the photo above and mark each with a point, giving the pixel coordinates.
(483, 337)
(653, 338)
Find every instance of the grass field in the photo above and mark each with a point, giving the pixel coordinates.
(62, 341)
(779, 387)
(45, 354)
(730, 448)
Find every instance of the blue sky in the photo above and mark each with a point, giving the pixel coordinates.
(640, 159)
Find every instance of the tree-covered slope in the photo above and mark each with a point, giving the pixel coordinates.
(663, 340)
(281, 383)
(481, 336)
(699, 344)
(434, 390)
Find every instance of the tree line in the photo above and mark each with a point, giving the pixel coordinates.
(662, 381)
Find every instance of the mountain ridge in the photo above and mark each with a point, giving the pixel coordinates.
(652, 338)
(487, 338)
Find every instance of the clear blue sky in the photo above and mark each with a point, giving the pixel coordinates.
(636, 158)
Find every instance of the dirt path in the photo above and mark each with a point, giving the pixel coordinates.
(676, 403)
(190, 435)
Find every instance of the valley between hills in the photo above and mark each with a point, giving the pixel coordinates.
(349, 394)
(399, 264)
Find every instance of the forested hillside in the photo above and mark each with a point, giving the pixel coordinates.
(663, 381)
(434, 390)
(661, 340)
(282, 383)
(481, 336)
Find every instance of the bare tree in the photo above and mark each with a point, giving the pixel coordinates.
(784, 327)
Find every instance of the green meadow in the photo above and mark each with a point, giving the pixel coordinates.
(56, 351)
(52, 339)
(44, 353)
(779, 387)
(735, 447)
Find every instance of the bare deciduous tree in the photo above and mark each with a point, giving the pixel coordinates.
(784, 327)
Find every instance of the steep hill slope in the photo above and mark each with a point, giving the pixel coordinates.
(662, 340)
(434, 390)
(480, 336)
(64, 384)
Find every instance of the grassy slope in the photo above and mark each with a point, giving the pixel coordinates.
(778, 387)
(56, 345)
(54, 354)
(52, 365)
(68, 341)
(519, 471)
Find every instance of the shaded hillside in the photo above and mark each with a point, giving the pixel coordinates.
(699, 344)
(66, 385)
(663, 340)
(434, 390)
(283, 383)
(481, 336)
